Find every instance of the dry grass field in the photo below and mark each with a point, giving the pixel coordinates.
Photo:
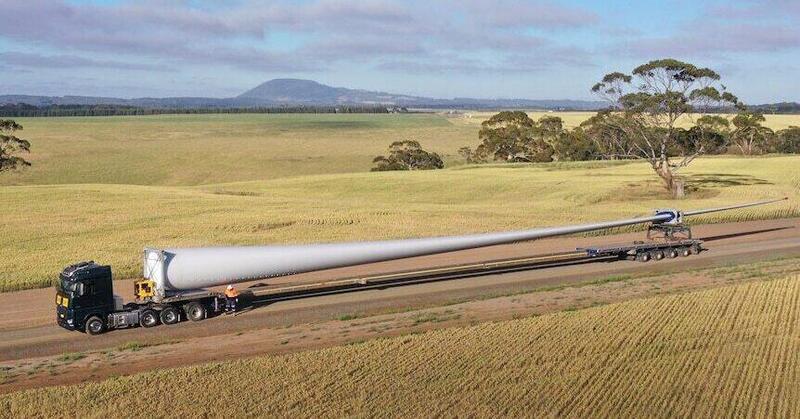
(203, 149)
(104, 188)
(46, 227)
(730, 351)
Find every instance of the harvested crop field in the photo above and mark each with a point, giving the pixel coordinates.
(723, 352)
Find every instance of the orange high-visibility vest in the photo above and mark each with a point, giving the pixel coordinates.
(231, 293)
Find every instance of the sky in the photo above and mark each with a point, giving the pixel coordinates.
(536, 49)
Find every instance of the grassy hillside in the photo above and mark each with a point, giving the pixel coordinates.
(203, 149)
(731, 351)
(198, 149)
(46, 227)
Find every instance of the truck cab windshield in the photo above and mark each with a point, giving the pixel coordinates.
(71, 287)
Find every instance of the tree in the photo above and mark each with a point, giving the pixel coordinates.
(749, 135)
(646, 107)
(711, 134)
(787, 141)
(574, 145)
(612, 143)
(407, 155)
(512, 136)
(11, 145)
(470, 156)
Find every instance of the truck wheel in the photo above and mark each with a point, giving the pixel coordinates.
(657, 255)
(685, 251)
(195, 311)
(170, 315)
(95, 325)
(643, 257)
(671, 253)
(148, 318)
(695, 249)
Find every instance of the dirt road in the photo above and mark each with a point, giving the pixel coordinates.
(27, 328)
(30, 343)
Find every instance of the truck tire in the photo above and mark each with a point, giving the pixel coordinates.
(695, 249)
(195, 311)
(643, 256)
(95, 325)
(170, 315)
(657, 254)
(148, 318)
(671, 253)
(685, 251)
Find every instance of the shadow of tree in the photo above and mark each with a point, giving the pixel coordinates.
(699, 186)
(722, 180)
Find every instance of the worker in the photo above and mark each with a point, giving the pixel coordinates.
(231, 298)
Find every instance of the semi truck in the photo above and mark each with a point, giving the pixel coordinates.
(175, 281)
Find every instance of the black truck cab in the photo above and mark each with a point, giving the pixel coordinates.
(84, 297)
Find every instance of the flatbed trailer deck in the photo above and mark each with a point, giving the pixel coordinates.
(645, 251)
(287, 291)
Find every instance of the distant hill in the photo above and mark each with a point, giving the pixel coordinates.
(781, 107)
(294, 92)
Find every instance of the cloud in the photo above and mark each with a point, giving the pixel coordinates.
(534, 61)
(22, 59)
(540, 14)
(726, 29)
(716, 40)
(345, 48)
(242, 35)
(766, 9)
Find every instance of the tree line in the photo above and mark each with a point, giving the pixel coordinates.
(24, 110)
(512, 136)
(661, 113)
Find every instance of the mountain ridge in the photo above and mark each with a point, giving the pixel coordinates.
(291, 92)
(301, 92)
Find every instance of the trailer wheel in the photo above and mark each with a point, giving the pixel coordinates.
(685, 251)
(671, 253)
(657, 255)
(148, 318)
(195, 311)
(95, 325)
(170, 315)
(643, 256)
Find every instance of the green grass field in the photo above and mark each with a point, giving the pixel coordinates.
(730, 351)
(104, 188)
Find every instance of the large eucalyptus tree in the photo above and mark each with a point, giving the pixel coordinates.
(648, 107)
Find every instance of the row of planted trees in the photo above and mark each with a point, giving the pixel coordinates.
(665, 112)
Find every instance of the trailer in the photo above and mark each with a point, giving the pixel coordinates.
(664, 241)
(176, 280)
(646, 251)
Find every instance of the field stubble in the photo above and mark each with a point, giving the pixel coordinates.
(727, 351)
